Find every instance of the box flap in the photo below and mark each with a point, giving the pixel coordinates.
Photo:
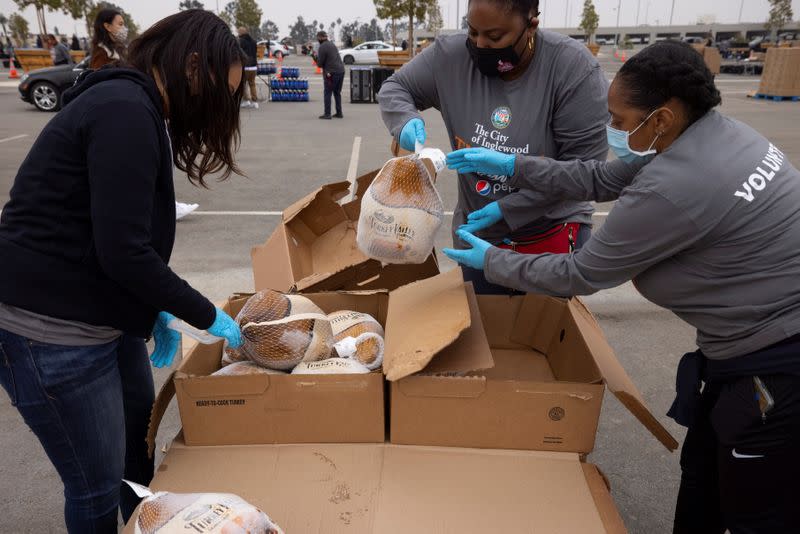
(598, 486)
(271, 265)
(326, 193)
(424, 318)
(615, 377)
(165, 395)
(547, 311)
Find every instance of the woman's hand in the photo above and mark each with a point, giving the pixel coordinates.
(413, 132)
(483, 218)
(226, 328)
(481, 160)
(167, 341)
(473, 257)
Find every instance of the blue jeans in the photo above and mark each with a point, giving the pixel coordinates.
(90, 408)
(333, 86)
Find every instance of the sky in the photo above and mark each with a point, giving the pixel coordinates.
(554, 12)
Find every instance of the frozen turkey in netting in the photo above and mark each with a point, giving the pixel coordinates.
(401, 210)
(245, 368)
(331, 366)
(209, 513)
(359, 336)
(279, 331)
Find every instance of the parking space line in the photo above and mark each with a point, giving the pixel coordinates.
(14, 138)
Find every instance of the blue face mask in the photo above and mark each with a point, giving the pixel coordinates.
(618, 140)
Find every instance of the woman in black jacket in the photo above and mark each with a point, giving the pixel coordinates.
(85, 240)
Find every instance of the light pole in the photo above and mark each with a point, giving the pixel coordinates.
(616, 36)
(672, 12)
(647, 14)
(458, 13)
(638, 10)
(741, 8)
(544, 11)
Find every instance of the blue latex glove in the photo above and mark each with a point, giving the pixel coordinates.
(485, 217)
(167, 341)
(226, 328)
(473, 257)
(481, 160)
(413, 131)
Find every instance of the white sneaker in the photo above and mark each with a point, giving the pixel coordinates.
(255, 105)
(246, 104)
(182, 210)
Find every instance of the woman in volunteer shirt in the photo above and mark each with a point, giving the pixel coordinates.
(85, 241)
(706, 225)
(514, 88)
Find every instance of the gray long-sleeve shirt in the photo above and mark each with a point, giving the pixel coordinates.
(328, 58)
(709, 229)
(557, 108)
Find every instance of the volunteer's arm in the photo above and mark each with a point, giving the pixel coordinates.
(600, 181)
(123, 164)
(322, 57)
(633, 239)
(579, 131)
(410, 90)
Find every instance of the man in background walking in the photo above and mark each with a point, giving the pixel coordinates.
(250, 48)
(332, 72)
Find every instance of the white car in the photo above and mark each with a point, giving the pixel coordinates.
(366, 53)
(276, 49)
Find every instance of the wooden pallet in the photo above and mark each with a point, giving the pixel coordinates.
(760, 96)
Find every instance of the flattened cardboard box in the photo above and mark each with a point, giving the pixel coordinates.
(528, 373)
(388, 489)
(314, 248)
(256, 409)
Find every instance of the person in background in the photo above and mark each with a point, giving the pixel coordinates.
(330, 62)
(86, 238)
(250, 48)
(76, 45)
(517, 89)
(110, 37)
(706, 225)
(404, 45)
(58, 51)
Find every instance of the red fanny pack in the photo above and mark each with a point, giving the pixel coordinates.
(558, 240)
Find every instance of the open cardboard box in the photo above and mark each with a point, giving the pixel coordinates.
(258, 409)
(528, 373)
(314, 248)
(387, 489)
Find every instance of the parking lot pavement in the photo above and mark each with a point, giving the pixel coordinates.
(286, 152)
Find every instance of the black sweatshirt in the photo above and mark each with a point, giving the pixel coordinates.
(89, 228)
(250, 49)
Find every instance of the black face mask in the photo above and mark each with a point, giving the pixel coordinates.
(495, 61)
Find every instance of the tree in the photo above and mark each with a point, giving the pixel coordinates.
(40, 6)
(589, 21)
(3, 22)
(390, 10)
(416, 9)
(269, 30)
(298, 31)
(190, 4)
(229, 13)
(248, 14)
(19, 29)
(780, 14)
(133, 28)
(435, 20)
(79, 10)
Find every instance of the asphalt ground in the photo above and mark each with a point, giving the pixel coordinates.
(287, 152)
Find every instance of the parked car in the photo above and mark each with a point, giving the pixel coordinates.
(758, 43)
(277, 49)
(366, 53)
(43, 87)
(789, 36)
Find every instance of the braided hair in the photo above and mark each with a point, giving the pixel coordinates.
(670, 69)
(521, 7)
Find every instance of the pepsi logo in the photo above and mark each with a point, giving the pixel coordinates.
(483, 188)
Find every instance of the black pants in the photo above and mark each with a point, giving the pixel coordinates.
(333, 86)
(740, 471)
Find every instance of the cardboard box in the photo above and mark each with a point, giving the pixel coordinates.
(528, 373)
(314, 248)
(781, 76)
(257, 409)
(711, 56)
(387, 489)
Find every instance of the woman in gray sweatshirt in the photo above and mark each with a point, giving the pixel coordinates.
(707, 225)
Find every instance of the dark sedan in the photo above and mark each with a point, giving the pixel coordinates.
(43, 87)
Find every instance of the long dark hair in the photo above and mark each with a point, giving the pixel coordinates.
(203, 115)
(99, 33)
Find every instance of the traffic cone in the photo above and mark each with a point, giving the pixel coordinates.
(623, 58)
(616, 54)
(12, 74)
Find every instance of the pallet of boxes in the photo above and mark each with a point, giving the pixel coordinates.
(781, 77)
(374, 394)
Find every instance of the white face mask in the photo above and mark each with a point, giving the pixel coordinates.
(120, 35)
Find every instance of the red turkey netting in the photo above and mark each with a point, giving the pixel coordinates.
(401, 211)
(279, 331)
(209, 513)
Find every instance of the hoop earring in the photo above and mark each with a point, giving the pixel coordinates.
(530, 43)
